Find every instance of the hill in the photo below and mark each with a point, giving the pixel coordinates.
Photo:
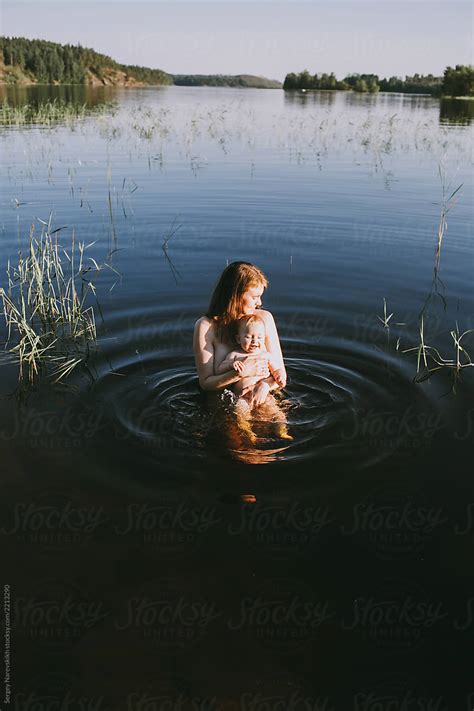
(24, 61)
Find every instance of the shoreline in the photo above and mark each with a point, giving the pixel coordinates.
(142, 85)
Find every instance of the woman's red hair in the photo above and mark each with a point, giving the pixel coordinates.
(226, 301)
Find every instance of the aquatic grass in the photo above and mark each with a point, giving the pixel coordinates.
(45, 113)
(385, 319)
(46, 305)
(313, 138)
(421, 349)
(172, 231)
(428, 358)
(447, 203)
(48, 112)
(434, 361)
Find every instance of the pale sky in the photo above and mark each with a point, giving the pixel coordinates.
(266, 37)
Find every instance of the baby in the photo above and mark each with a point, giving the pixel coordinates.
(251, 339)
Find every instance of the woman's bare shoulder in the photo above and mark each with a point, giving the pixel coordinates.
(204, 323)
(265, 315)
(204, 328)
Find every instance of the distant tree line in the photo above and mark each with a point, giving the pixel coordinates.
(239, 80)
(206, 80)
(50, 62)
(455, 82)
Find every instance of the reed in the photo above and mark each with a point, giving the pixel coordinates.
(172, 231)
(47, 112)
(434, 361)
(385, 319)
(447, 203)
(428, 358)
(45, 307)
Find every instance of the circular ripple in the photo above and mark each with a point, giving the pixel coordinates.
(351, 404)
(360, 405)
(160, 410)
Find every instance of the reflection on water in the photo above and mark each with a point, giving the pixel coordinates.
(456, 111)
(451, 111)
(73, 93)
(310, 98)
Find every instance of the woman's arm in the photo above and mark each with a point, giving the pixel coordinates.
(272, 342)
(226, 365)
(278, 374)
(203, 347)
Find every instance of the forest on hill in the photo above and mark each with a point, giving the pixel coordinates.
(39, 61)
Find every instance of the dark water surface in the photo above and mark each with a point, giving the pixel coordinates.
(135, 572)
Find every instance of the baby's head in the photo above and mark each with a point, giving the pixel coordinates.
(251, 333)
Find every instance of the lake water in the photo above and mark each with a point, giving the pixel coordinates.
(135, 570)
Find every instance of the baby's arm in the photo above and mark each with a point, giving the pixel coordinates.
(234, 361)
(228, 363)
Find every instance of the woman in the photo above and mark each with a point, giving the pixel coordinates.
(238, 292)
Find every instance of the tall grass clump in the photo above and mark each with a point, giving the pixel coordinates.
(45, 307)
(47, 112)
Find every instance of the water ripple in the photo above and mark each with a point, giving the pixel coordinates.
(349, 404)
